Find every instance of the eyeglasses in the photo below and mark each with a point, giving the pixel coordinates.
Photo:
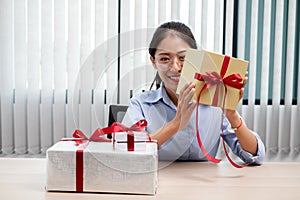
(166, 61)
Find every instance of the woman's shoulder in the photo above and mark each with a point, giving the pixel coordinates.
(147, 96)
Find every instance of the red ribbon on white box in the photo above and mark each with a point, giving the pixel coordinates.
(82, 141)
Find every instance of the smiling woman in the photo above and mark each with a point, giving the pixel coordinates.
(171, 117)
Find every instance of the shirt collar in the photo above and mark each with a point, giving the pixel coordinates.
(159, 94)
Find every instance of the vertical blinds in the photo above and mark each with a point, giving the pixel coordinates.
(63, 62)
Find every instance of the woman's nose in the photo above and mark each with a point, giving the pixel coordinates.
(176, 64)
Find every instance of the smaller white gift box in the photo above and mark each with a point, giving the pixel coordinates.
(137, 136)
(129, 138)
(131, 141)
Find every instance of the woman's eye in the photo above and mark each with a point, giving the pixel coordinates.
(164, 59)
(181, 58)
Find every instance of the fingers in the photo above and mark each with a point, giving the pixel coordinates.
(187, 95)
(184, 88)
(185, 104)
(181, 95)
(183, 91)
(242, 93)
(188, 91)
(245, 79)
(244, 83)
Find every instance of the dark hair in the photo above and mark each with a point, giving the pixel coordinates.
(177, 28)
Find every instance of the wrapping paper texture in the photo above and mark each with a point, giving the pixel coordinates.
(201, 61)
(105, 169)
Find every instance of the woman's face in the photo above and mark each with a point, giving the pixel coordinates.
(168, 61)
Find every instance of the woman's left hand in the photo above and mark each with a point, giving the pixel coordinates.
(231, 113)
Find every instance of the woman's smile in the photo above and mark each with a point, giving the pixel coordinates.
(174, 78)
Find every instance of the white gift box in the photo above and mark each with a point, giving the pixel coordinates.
(105, 168)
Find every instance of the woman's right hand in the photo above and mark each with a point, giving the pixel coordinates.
(185, 105)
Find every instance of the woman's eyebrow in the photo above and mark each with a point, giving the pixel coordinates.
(164, 53)
(167, 53)
(182, 51)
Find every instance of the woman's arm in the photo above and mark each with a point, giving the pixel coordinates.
(247, 140)
(165, 132)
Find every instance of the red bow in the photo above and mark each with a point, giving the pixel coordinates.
(79, 137)
(118, 127)
(214, 78)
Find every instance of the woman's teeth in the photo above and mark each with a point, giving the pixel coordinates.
(175, 78)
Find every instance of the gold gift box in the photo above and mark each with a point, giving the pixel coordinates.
(204, 62)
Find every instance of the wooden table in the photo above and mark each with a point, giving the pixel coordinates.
(24, 178)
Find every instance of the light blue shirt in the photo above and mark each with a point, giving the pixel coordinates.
(157, 108)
